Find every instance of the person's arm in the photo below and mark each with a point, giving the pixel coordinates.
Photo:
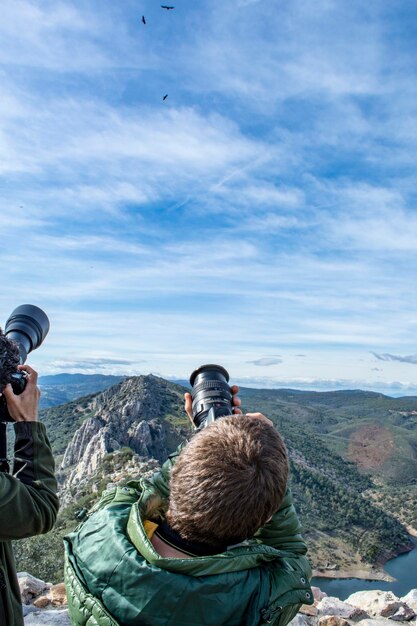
(161, 479)
(283, 531)
(28, 498)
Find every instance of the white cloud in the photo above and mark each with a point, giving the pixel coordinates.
(286, 64)
(60, 36)
(266, 361)
(411, 358)
(391, 388)
(148, 153)
(89, 363)
(268, 203)
(373, 219)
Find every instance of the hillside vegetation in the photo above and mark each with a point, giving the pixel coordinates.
(353, 492)
(377, 433)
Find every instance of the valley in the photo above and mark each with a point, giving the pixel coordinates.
(352, 455)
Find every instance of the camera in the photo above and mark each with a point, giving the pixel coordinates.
(211, 394)
(27, 327)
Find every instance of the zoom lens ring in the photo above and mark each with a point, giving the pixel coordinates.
(210, 385)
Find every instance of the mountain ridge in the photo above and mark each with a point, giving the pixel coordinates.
(128, 429)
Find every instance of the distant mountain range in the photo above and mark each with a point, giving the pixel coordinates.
(62, 388)
(353, 458)
(378, 433)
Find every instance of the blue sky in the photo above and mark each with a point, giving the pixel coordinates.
(262, 216)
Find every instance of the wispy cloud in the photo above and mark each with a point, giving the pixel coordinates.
(411, 358)
(268, 205)
(266, 361)
(93, 365)
(90, 363)
(62, 37)
(390, 388)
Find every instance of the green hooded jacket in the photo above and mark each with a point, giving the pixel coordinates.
(28, 506)
(114, 576)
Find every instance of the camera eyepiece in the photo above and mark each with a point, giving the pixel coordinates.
(211, 394)
(28, 326)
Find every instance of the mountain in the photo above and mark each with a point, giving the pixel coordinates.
(376, 432)
(62, 388)
(356, 424)
(353, 512)
(143, 414)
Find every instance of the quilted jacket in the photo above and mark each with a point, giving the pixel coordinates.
(28, 506)
(114, 576)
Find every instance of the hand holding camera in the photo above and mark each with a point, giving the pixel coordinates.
(211, 397)
(23, 407)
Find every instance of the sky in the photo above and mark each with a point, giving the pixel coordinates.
(261, 216)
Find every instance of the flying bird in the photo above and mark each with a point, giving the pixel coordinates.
(165, 97)
(143, 19)
(164, 6)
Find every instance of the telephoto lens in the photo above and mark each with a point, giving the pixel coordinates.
(27, 326)
(211, 394)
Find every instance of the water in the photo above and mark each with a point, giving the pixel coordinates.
(403, 568)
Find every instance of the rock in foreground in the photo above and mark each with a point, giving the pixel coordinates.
(363, 608)
(48, 618)
(45, 604)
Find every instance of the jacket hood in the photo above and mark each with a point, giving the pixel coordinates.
(243, 556)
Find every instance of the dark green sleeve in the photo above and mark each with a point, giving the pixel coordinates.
(28, 497)
(160, 480)
(284, 530)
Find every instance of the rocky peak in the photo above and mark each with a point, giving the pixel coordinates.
(130, 414)
(138, 396)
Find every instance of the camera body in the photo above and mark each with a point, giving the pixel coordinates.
(26, 327)
(18, 383)
(211, 394)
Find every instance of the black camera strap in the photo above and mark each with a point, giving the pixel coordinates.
(4, 462)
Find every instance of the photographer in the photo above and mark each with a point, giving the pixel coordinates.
(28, 495)
(212, 539)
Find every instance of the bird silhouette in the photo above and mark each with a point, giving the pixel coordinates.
(165, 97)
(143, 19)
(164, 6)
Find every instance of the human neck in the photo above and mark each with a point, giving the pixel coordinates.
(165, 550)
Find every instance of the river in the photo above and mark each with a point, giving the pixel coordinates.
(403, 568)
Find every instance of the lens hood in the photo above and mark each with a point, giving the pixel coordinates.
(28, 325)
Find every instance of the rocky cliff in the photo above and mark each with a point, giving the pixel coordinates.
(126, 431)
(143, 414)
